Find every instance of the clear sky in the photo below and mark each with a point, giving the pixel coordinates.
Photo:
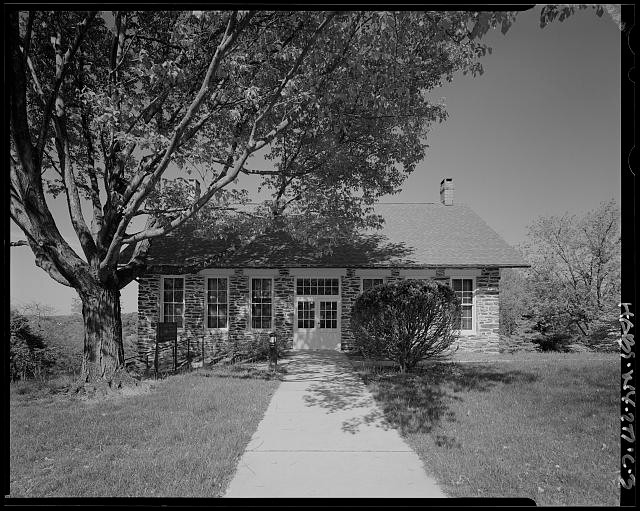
(537, 134)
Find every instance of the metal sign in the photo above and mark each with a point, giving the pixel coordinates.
(167, 332)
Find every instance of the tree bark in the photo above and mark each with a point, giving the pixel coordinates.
(103, 357)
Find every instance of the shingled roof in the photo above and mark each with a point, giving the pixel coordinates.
(413, 235)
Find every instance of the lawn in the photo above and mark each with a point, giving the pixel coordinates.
(539, 426)
(181, 438)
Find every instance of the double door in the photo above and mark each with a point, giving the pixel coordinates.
(317, 314)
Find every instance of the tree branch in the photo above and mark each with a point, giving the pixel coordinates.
(231, 33)
(60, 75)
(66, 165)
(290, 74)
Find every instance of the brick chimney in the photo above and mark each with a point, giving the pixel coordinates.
(446, 191)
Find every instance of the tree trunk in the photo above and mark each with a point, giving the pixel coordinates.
(103, 358)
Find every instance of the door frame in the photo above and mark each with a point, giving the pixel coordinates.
(316, 299)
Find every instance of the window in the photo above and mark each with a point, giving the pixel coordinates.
(217, 303)
(328, 314)
(306, 314)
(261, 303)
(369, 283)
(173, 300)
(317, 287)
(464, 291)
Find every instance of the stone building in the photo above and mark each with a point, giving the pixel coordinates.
(276, 284)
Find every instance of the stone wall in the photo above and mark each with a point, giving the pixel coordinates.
(350, 290)
(284, 307)
(194, 338)
(487, 337)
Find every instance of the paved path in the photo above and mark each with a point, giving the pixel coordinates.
(323, 436)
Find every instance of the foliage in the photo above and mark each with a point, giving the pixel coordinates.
(574, 279)
(102, 105)
(29, 355)
(406, 321)
(562, 11)
(512, 300)
(249, 349)
(554, 341)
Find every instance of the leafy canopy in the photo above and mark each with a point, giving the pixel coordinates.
(337, 102)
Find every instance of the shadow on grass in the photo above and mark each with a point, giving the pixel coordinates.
(415, 402)
(418, 402)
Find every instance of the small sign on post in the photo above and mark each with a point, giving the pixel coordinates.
(167, 332)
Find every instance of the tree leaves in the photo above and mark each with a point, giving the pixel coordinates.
(337, 100)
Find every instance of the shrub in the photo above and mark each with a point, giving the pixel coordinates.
(29, 355)
(249, 349)
(405, 321)
(554, 341)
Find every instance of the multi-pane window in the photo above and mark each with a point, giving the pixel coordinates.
(173, 300)
(317, 287)
(369, 283)
(217, 303)
(306, 314)
(464, 291)
(329, 314)
(261, 303)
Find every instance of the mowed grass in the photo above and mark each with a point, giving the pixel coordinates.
(542, 427)
(182, 438)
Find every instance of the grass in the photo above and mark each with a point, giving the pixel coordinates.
(182, 438)
(544, 427)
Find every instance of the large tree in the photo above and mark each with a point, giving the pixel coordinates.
(103, 104)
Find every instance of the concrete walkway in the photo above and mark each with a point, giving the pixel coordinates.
(323, 436)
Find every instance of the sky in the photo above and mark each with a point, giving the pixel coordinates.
(537, 134)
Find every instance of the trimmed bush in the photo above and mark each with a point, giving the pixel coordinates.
(406, 321)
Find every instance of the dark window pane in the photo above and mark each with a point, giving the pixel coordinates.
(457, 285)
(178, 283)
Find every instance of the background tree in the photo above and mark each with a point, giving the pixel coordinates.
(574, 279)
(513, 300)
(102, 104)
(29, 355)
